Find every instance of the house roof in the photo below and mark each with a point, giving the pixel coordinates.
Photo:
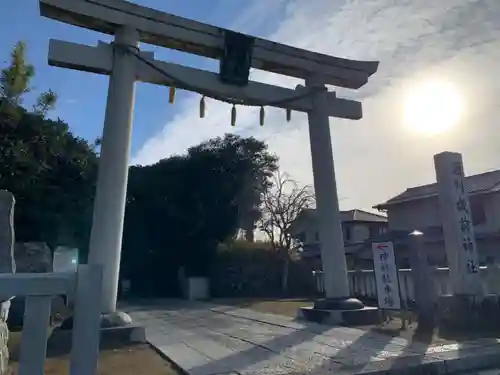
(476, 184)
(360, 215)
(350, 215)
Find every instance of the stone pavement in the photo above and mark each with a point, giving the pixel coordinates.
(206, 339)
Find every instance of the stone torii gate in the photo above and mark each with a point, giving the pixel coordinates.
(125, 64)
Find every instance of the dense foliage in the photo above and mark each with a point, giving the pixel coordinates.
(181, 208)
(52, 174)
(244, 269)
(49, 170)
(254, 166)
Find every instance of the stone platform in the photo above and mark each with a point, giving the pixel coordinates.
(206, 339)
(364, 316)
(477, 313)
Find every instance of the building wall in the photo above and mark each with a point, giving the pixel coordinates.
(424, 213)
(492, 209)
(418, 214)
(353, 232)
(488, 250)
(359, 232)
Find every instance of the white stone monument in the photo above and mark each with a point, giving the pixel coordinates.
(7, 262)
(458, 229)
(7, 265)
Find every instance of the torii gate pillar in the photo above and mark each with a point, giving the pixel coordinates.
(327, 204)
(109, 204)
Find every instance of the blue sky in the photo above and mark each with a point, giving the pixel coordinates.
(419, 43)
(83, 95)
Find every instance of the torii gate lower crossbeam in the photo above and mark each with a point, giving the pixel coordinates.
(124, 69)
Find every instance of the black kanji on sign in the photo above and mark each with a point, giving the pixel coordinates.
(384, 256)
(386, 278)
(471, 266)
(468, 245)
(464, 225)
(459, 185)
(387, 288)
(389, 300)
(457, 169)
(462, 205)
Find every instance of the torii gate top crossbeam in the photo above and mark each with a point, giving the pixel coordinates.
(100, 60)
(194, 37)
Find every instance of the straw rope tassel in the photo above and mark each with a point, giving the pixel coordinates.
(233, 115)
(171, 95)
(202, 107)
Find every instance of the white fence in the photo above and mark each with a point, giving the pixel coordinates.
(362, 283)
(39, 289)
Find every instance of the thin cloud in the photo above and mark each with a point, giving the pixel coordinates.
(375, 157)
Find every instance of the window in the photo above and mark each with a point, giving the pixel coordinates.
(477, 212)
(372, 231)
(348, 235)
(316, 236)
(301, 237)
(405, 263)
(376, 230)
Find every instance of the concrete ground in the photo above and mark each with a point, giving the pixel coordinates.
(208, 339)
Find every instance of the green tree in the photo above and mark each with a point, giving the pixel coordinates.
(15, 82)
(45, 102)
(254, 165)
(15, 79)
(49, 170)
(180, 209)
(52, 175)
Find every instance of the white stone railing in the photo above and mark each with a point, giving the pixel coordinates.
(362, 283)
(39, 289)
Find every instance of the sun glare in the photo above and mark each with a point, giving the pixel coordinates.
(433, 108)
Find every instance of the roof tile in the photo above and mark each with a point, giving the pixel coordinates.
(475, 184)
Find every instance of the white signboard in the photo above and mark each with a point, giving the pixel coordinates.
(386, 276)
(65, 259)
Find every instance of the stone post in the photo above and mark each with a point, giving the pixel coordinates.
(467, 308)
(109, 205)
(7, 265)
(458, 229)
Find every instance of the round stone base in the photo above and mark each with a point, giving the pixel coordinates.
(340, 303)
(108, 320)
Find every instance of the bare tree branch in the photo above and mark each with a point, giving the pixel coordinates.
(281, 205)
